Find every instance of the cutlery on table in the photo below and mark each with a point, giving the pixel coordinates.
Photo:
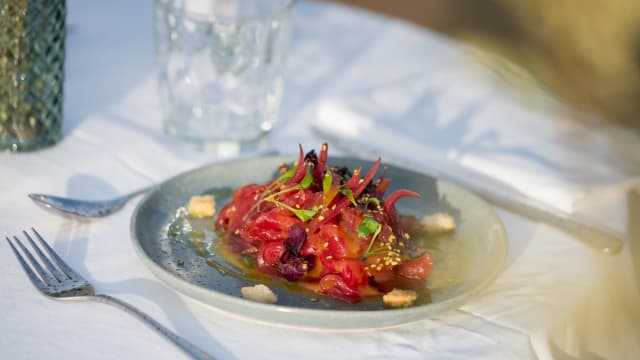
(85, 208)
(101, 208)
(57, 280)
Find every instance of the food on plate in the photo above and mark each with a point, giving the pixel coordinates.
(398, 298)
(202, 206)
(326, 229)
(438, 223)
(259, 293)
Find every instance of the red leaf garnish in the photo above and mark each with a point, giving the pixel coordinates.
(321, 165)
(367, 179)
(390, 201)
(301, 170)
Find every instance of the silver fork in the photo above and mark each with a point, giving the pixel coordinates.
(59, 281)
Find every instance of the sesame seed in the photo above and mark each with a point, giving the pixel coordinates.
(326, 245)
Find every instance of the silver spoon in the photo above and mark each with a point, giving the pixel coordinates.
(84, 208)
(102, 208)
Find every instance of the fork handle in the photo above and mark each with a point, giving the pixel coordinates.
(184, 345)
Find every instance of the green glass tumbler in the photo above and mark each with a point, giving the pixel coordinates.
(32, 34)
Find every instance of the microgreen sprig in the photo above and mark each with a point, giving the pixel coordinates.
(302, 214)
(349, 194)
(369, 226)
(327, 181)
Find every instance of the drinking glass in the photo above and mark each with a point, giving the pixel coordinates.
(219, 70)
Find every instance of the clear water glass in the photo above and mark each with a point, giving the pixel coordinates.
(219, 66)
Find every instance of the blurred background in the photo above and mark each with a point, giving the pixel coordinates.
(585, 52)
(587, 55)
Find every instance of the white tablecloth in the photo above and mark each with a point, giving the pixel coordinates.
(114, 143)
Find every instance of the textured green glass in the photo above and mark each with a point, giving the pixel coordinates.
(32, 34)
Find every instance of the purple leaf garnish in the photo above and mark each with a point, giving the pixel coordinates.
(293, 268)
(292, 265)
(311, 158)
(343, 173)
(297, 237)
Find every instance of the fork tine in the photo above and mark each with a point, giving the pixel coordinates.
(44, 275)
(58, 275)
(61, 264)
(30, 274)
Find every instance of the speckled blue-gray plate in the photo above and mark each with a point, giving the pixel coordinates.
(466, 262)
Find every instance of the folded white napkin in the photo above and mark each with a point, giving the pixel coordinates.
(448, 116)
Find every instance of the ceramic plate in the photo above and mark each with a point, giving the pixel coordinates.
(465, 262)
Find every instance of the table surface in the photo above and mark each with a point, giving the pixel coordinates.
(114, 144)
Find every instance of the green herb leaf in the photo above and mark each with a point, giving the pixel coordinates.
(349, 194)
(327, 181)
(308, 179)
(289, 173)
(368, 226)
(248, 261)
(374, 201)
(304, 215)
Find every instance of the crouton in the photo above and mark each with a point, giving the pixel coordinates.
(260, 293)
(202, 206)
(438, 223)
(398, 298)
